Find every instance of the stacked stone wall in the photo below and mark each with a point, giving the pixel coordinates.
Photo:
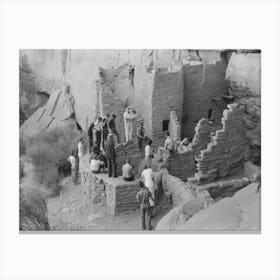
(182, 165)
(119, 195)
(224, 156)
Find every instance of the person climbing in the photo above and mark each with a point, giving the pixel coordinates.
(111, 156)
(168, 147)
(140, 132)
(143, 197)
(149, 153)
(98, 131)
(127, 171)
(147, 177)
(73, 167)
(112, 127)
(128, 117)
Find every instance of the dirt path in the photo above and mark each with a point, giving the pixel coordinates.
(74, 212)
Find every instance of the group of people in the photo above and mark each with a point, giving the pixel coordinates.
(103, 157)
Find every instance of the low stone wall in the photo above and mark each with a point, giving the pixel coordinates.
(119, 195)
(177, 190)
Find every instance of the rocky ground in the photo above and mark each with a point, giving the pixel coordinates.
(72, 211)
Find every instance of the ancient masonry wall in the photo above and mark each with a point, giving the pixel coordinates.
(204, 86)
(167, 96)
(110, 104)
(120, 196)
(182, 165)
(224, 156)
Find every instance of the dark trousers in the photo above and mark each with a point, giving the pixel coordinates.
(139, 141)
(146, 213)
(115, 132)
(111, 163)
(98, 138)
(90, 143)
(131, 178)
(76, 170)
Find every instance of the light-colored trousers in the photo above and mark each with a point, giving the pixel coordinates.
(128, 127)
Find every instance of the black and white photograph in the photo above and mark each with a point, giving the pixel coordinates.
(134, 140)
(139, 140)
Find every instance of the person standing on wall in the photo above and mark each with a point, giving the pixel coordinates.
(112, 127)
(128, 117)
(148, 153)
(90, 135)
(143, 197)
(140, 132)
(105, 129)
(72, 160)
(98, 131)
(111, 156)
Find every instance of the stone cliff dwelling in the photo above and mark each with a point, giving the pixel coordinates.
(211, 97)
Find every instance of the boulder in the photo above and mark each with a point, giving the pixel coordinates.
(241, 212)
(179, 215)
(252, 171)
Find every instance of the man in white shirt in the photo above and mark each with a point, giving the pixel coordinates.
(96, 164)
(128, 117)
(168, 147)
(148, 153)
(127, 171)
(147, 177)
(81, 151)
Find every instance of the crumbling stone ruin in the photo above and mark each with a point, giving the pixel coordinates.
(212, 97)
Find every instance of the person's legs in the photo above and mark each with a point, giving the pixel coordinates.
(130, 131)
(90, 143)
(139, 142)
(161, 150)
(117, 135)
(77, 170)
(143, 214)
(98, 138)
(126, 129)
(73, 174)
(113, 162)
(109, 167)
(149, 217)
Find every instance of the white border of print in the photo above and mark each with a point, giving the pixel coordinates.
(197, 24)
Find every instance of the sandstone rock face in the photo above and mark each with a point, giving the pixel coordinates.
(244, 83)
(79, 68)
(241, 212)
